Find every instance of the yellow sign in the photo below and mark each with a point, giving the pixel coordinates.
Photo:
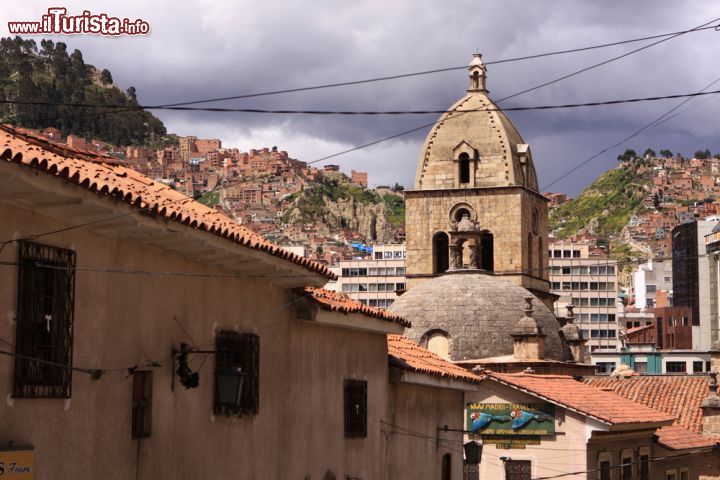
(17, 464)
(507, 442)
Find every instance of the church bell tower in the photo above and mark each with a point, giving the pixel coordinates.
(475, 203)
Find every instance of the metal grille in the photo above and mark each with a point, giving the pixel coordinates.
(517, 470)
(471, 471)
(355, 393)
(46, 289)
(239, 350)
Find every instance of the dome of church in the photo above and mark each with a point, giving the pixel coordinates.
(474, 126)
(477, 313)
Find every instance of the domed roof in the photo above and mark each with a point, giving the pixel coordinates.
(478, 312)
(486, 133)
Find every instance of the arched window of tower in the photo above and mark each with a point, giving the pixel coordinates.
(541, 263)
(464, 168)
(441, 259)
(487, 251)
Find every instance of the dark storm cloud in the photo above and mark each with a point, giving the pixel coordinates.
(205, 49)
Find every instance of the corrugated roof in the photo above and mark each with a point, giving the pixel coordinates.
(339, 302)
(419, 359)
(565, 390)
(107, 176)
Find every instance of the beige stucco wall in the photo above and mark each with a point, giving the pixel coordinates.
(124, 320)
(563, 452)
(417, 412)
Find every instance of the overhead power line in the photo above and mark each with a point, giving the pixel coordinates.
(564, 77)
(390, 137)
(373, 112)
(440, 70)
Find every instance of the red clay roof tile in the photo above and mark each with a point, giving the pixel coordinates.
(106, 175)
(565, 390)
(677, 395)
(339, 302)
(422, 360)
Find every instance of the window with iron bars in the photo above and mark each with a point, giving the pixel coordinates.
(355, 394)
(239, 350)
(44, 333)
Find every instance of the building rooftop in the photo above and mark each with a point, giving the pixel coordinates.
(338, 302)
(418, 359)
(677, 395)
(565, 391)
(108, 177)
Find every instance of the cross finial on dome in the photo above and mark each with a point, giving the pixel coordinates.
(477, 74)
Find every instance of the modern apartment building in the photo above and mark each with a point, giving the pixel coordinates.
(712, 250)
(589, 282)
(691, 279)
(650, 278)
(374, 280)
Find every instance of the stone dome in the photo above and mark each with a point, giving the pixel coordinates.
(477, 312)
(475, 126)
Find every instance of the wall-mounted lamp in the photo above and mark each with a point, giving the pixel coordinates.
(228, 382)
(473, 452)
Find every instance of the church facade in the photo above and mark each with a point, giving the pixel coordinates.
(475, 204)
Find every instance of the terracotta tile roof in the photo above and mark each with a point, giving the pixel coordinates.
(107, 176)
(677, 395)
(422, 360)
(679, 438)
(339, 302)
(602, 405)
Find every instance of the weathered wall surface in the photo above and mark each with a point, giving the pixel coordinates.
(122, 320)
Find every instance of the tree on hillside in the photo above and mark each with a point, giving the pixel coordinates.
(649, 153)
(666, 153)
(56, 76)
(106, 77)
(702, 154)
(629, 156)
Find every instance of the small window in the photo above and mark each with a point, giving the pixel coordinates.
(676, 367)
(640, 367)
(626, 470)
(518, 470)
(355, 393)
(142, 404)
(644, 469)
(239, 351)
(684, 474)
(697, 367)
(604, 470)
(45, 306)
(671, 475)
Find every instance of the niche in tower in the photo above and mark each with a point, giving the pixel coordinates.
(487, 253)
(441, 259)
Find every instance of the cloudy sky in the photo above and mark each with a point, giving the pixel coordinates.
(199, 49)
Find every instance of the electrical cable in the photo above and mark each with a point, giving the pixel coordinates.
(2, 244)
(380, 112)
(439, 70)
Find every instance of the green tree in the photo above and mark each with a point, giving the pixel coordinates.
(649, 153)
(628, 156)
(106, 77)
(666, 153)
